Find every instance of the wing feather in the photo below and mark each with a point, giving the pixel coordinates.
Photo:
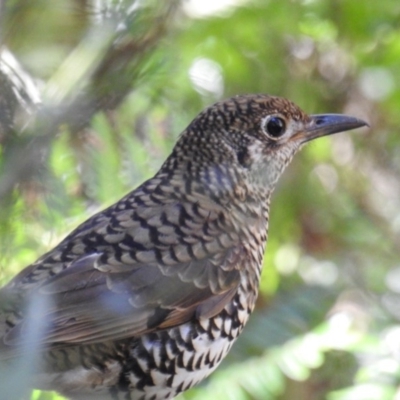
(138, 281)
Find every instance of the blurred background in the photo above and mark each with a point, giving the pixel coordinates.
(93, 95)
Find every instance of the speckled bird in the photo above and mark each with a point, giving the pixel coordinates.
(144, 299)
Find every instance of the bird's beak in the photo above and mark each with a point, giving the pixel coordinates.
(328, 124)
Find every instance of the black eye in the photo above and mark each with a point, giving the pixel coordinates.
(275, 127)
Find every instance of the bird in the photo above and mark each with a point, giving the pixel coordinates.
(144, 299)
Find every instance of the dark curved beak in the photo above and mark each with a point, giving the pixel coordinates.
(328, 124)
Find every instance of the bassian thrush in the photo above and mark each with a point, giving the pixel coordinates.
(144, 299)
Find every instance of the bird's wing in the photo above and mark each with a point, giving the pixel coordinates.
(146, 280)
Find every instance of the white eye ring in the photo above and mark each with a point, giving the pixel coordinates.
(274, 126)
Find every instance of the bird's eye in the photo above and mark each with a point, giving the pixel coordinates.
(275, 127)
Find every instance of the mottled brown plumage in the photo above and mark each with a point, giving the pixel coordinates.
(144, 299)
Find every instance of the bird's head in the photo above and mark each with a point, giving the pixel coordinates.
(256, 136)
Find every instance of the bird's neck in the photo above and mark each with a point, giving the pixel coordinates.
(223, 184)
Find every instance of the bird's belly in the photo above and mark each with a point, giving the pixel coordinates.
(156, 366)
(175, 360)
(169, 362)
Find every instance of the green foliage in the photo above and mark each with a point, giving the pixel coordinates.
(125, 85)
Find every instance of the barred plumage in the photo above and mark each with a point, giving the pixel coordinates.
(144, 299)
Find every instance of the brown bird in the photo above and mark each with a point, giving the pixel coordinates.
(144, 299)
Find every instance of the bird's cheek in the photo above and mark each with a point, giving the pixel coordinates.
(288, 149)
(258, 153)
